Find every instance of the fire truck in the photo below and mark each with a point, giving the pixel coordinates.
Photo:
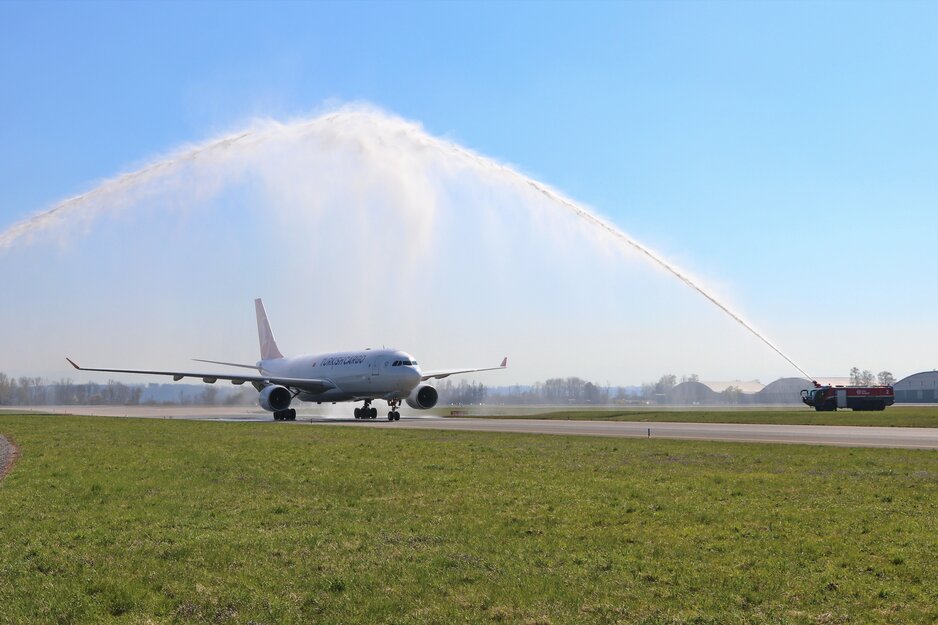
(829, 398)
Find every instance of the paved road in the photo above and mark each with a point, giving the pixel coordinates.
(847, 436)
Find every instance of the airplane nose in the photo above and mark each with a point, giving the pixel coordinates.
(413, 376)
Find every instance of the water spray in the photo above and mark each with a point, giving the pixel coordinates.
(379, 125)
(622, 237)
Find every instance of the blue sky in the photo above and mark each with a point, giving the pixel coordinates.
(774, 148)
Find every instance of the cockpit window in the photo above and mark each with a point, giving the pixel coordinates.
(397, 363)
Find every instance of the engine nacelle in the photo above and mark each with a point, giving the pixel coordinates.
(274, 398)
(423, 397)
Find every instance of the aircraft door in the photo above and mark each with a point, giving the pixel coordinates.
(375, 366)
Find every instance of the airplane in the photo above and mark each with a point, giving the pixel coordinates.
(364, 376)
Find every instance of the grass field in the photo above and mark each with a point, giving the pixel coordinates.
(150, 521)
(898, 416)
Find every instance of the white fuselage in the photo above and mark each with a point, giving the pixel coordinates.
(387, 374)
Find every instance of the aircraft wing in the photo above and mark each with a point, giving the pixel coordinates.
(439, 375)
(313, 385)
(229, 364)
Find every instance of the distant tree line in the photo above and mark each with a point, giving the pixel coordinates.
(462, 394)
(866, 377)
(26, 391)
(554, 391)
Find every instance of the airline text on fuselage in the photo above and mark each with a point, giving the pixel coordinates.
(346, 360)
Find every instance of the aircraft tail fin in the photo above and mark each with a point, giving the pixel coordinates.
(269, 349)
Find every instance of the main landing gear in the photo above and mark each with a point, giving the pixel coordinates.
(285, 415)
(366, 412)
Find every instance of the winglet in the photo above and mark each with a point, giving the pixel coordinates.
(72, 362)
(504, 364)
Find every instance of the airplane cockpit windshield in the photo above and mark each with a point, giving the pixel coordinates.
(404, 363)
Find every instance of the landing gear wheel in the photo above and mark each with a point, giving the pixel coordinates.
(358, 413)
(292, 414)
(373, 412)
(394, 415)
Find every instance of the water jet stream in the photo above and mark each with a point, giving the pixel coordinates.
(346, 123)
(624, 238)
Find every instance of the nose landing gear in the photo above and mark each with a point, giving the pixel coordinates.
(394, 415)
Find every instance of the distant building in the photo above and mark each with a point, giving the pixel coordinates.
(691, 394)
(783, 391)
(749, 387)
(918, 388)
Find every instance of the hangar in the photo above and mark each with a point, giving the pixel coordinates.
(918, 388)
(783, 391)
(693, 393)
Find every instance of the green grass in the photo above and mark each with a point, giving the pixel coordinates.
(152, 521)
(899, 416)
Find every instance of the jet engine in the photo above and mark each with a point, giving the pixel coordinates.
(274, 398)
(423, 397)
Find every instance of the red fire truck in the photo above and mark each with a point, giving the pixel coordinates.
(829, 398)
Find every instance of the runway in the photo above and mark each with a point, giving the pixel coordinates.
(844, 436)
